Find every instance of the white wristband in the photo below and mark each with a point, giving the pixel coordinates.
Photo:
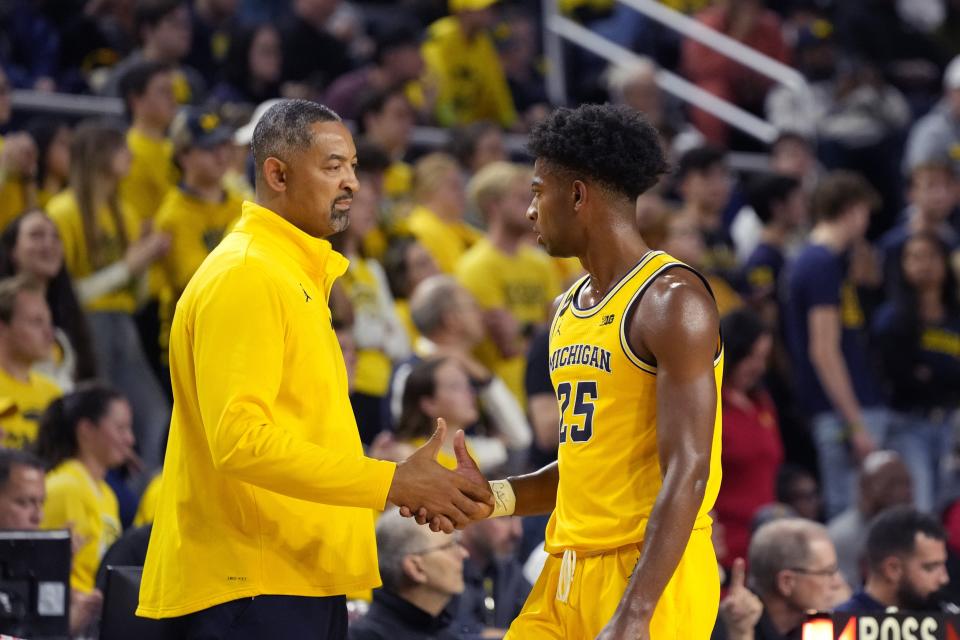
(505, 498)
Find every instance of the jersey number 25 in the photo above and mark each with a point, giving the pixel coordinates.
(584, 394)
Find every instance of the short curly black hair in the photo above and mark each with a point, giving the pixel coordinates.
(611, 144)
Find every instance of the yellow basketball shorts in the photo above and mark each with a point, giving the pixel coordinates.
(574, 598)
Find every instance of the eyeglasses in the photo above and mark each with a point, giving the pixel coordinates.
(450, 545)
(823, 573)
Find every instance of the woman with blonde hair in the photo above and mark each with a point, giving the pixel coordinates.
(106, 255)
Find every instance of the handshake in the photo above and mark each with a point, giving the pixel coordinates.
(434, 495)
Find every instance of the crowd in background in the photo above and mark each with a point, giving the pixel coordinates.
(835, 268)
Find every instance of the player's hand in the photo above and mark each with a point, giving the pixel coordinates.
(420, 484)
(741, 609)
(624, 627)
(466, 467)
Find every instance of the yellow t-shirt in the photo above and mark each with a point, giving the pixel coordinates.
(470, 79)
(398, 180)
(32, 399)
(372, 375)
(65, 212)
(445, 241)
(44, 197)
(196, 227)
(88, 507)
(525, 284)
(13, 197)
(609, 464)
(148, 503)
(152, 174)
(266, 489)
(403, 312)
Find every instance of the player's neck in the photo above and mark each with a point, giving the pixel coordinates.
(610, 255)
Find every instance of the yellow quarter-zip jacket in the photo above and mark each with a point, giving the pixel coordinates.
(265, 486)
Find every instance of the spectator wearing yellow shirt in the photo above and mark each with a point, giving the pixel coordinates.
(26, 337)
(31, 245)
(514, 282)
(18, 162)
(52, 137)
(196, 213)
(106, 255)
(82, 436)
(380, 337)
(436, 220)
(148, 94)
(463, 64)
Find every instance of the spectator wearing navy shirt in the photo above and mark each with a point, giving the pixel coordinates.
(826, 333)
(781, 205)
(906, 556)
(917, 334)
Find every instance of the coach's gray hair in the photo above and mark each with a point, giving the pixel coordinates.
(431, 300)
(285, 129)
(397, 537)
(778, 545)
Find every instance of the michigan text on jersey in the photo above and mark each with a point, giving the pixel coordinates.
(581, 354)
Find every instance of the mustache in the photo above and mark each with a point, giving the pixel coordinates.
(344, 196)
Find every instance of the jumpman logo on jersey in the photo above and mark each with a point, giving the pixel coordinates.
(306, 295)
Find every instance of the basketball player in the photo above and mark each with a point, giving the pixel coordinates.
(636, 361)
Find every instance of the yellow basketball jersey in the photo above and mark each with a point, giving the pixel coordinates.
(609, 465)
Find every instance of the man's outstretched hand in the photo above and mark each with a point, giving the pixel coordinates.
(449, 500)
(468, 470)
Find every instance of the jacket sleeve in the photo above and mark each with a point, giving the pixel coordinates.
(238, 360)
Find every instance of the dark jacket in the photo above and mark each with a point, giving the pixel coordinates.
(393, 618)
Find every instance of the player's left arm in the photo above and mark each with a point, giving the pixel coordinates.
(677, 324)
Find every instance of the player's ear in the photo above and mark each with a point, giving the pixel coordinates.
(579, 194)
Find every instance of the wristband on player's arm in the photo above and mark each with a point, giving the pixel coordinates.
(504, 497)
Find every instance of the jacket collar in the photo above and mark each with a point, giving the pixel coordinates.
(406, 612)
(315, 255)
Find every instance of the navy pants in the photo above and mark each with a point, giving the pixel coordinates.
(271, 617)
